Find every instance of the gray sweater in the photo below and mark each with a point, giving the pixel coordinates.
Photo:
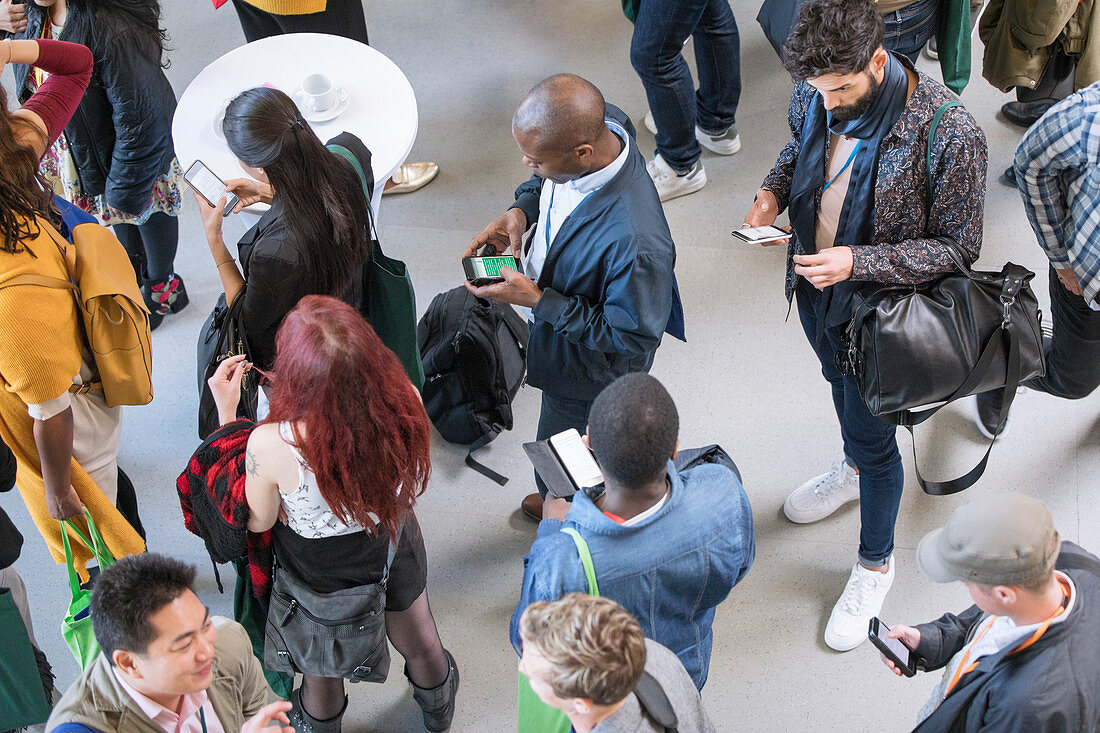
(681, 692)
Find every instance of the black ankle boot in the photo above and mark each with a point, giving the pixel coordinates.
(303, 722)
(438, 703)
(163, 297)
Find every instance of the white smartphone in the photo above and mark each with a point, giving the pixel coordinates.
(209, 186)
(759, 235)
(579, 463)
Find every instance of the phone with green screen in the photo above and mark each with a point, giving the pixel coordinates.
(486, 270)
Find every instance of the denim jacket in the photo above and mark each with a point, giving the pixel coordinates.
(669, 571)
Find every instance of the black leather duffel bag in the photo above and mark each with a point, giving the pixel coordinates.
(915, 346)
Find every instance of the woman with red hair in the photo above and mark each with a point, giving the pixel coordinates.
(340, 460)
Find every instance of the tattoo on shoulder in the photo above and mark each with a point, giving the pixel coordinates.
(250, 464)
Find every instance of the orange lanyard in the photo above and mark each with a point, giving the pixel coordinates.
(964, 669)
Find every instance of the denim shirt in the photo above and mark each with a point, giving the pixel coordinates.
(669, 571)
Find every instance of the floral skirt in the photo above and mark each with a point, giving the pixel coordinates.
(60, 170)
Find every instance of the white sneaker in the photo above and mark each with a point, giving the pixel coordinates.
(671, 184)
(862, 598)
(822, 495)
(728, 143)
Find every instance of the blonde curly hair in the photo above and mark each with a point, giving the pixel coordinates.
(596, 649)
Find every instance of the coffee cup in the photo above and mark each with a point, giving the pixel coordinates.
(318, 93)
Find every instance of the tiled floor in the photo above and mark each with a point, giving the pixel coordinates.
(745, 379)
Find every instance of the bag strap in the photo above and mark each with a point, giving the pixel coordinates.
(655, 702)
(908, 419)
(480, 467)
(42, 280)
(931, 137)
(586, 560)
(96, 544)
(350, 157)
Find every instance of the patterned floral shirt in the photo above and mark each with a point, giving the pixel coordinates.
(903, 248)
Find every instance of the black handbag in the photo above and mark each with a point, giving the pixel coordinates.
(914, 346)
(337, 634)
(911, 346)
(222, 336)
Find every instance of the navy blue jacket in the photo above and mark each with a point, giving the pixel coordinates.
(608, 288)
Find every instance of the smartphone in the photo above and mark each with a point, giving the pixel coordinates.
(894, 649)
(577, 459)
(759, 235)
(486, 270)
(209, 186)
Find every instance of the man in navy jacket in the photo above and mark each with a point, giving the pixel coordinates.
(597, 285)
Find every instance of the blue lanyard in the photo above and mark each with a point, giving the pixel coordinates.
(202, 720)
(846, 164)
(549, 208)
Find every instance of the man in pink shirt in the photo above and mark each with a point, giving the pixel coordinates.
(165, 664)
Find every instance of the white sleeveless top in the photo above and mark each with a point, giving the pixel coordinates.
(307, 511)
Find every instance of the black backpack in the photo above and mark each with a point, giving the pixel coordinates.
(474, 353)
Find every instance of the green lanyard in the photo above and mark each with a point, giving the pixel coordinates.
(202, 720)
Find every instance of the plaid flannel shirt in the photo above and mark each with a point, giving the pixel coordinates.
(1058, 173)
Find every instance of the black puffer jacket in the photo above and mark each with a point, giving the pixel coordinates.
(121, 135)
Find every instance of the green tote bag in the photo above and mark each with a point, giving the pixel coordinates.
(22, 697)
(953, 44)
(77, 624)
(535, 716)
(389, 302)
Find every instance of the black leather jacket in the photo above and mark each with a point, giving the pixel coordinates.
(121, 135)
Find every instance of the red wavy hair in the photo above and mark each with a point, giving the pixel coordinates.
(357, 418)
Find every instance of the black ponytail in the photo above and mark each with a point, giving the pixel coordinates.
(325, 206)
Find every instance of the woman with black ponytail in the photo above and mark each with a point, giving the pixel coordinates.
(315, 237)
(116, 159)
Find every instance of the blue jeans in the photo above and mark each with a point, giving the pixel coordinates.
(908, 29)
(869, 443)
(656, 49)
(558, 414)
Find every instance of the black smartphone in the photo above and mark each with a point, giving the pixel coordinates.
(486, 270)
(209, 186)
(894, 649)
(759, 235)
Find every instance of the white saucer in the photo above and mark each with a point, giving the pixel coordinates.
(323, 116)
(218, 120)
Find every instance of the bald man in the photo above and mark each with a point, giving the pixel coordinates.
(597, 285)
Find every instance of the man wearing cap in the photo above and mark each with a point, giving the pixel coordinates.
(1025, 656)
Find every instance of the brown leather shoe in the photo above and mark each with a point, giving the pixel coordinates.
(532, 506)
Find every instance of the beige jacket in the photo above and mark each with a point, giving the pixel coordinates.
(1018, 35)
(237, 693)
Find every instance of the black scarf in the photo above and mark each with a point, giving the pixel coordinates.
(856, 218)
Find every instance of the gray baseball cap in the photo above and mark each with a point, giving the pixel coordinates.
(1007, 539)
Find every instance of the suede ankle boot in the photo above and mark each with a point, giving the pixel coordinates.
(303, 722)
(438, 703)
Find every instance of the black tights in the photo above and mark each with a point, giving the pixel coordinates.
(415, 637)
(151, 246)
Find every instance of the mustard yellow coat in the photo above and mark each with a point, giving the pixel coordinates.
(40, 351)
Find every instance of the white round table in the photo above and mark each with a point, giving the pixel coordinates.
(381, 108)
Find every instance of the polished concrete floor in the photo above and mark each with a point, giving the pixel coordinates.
(745, 379)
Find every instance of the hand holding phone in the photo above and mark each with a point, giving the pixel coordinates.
(209, 186)
(486, 270)
(896, 646)
(761, 235)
